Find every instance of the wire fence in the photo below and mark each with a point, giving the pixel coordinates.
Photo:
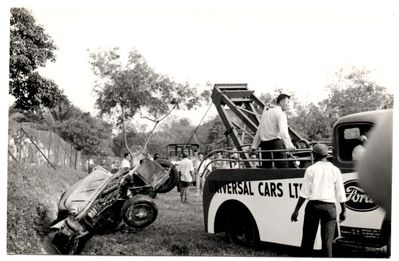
(38, 147)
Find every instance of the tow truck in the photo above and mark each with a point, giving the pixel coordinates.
(251, 204)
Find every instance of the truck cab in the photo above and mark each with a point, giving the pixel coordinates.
(366, 218)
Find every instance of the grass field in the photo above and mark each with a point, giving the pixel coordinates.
(33, 194)
(178, 230)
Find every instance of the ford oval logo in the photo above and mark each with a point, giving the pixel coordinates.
(356, 199)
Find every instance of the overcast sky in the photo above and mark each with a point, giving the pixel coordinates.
(294, 45)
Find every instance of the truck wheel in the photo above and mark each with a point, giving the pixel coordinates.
(242, 230)
(139, 211)
(173, 179)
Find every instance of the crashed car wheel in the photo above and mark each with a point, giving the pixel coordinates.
(139, 211)
(173, 179)
(69, 243)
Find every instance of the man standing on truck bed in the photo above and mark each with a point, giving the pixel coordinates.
(272, 133)
(322, 186)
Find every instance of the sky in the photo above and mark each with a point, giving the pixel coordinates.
(294, 45)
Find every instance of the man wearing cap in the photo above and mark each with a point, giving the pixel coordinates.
(322, 186)
(272, 133)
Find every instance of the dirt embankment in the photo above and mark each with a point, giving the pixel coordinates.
(32, 196)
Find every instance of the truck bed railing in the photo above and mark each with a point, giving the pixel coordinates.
(226, 162)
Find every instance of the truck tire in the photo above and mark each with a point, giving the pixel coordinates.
(242, 229)
(173, 179)
(139, 211)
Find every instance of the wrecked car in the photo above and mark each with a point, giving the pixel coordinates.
(101, 201)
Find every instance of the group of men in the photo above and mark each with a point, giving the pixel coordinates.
(192, 171)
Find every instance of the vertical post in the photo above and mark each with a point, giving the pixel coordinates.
(70, 157)
(49, 148)
(63, 162)
(76, 159)
(57, 155)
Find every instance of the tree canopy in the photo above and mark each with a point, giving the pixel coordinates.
(350, 92)
(30, 48)
(124, 91)
(90, 135)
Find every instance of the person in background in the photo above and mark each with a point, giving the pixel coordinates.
(114, 167)
(359, 149)
(156, 156)
(323, 187)
(149, 156)
(126, 161)
(219, 163)
(272, 133)
(254, 164)
(90, 166)
(186, 171)
(203, 171)
(234, 164)
(196, 162)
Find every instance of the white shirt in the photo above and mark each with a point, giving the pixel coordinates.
(125, 163)
(273, 125)
(204, 164)
(323, 182)
(357, 152)
(185, 166)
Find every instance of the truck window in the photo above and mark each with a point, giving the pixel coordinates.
(349, 138)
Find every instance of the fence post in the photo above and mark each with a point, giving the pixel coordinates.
(57, 155)
(76, 159)
(49, 147)
(70, 158)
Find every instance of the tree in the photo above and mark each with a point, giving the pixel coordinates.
(30, 48)
(352, 92)
(64, 110)
(311, 122)
(87, 134)
(136, 89)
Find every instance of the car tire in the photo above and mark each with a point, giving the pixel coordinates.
(69, 243)
(173, 179)
(139, 211)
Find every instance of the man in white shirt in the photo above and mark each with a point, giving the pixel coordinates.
(186, 170)
(272, 133)
(126, 161)
(203, 171)
(322, 186)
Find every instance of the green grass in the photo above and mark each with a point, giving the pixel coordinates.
(33, 194)
(178, 230)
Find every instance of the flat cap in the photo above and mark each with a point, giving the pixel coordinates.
(320, 149)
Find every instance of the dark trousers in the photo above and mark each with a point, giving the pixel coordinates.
(319, 212)
(276, 144)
